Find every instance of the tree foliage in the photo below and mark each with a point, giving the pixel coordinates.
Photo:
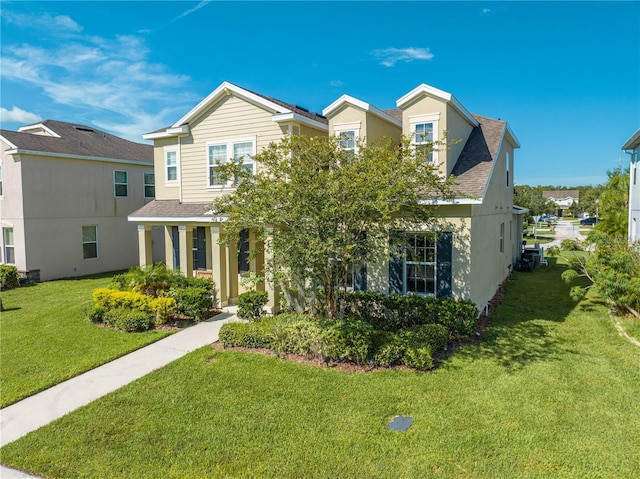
(310, 202)
(614, 202)
(612, 269)
(530, 197)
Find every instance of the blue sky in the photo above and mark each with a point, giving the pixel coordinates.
(565, 75)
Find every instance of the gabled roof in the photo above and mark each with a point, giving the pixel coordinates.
(561, 194)
(475, 163)
(349, 100)
(425, 89)
(73, 140)
(280, 110)
(632, 142)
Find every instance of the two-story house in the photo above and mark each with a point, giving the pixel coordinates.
(563, 199)
(65, 193)
(479, 231)
(632, 147)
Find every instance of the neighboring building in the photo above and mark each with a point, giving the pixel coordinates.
(632, 147)
(563, 199)
(479, 234)
(65, 193)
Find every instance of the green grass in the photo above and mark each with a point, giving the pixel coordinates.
(45, 338)
(551, 391)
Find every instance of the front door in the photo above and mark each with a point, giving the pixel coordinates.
(199, 248)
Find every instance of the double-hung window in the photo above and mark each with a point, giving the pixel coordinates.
(9, 246)
(121, 183)
(171, 165)
(218, 153)
(149, 185)
(424, 132)
(420, 263)
(90, 242)
(1, 179)
(348, 135)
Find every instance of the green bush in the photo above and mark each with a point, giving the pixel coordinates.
(418, 357)
(194, 303)
(391, 350)
(435, 336)
(298, 334)
(251, 305)
(128, 319)
(8, 276)
(350, 340)
(247, 335)
(96, 314)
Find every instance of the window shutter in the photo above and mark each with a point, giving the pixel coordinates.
(360, 276)
(396, 283)
(445, 253)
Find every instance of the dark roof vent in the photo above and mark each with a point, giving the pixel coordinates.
(84, 128)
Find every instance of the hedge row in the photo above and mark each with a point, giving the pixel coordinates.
(397, 312)
(107, 299)
(8, 276)
(350, 340)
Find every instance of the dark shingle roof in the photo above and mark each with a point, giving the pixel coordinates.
(558, 194)
(172, 209)
(294, 108)
(80, 140)
(473, 168)
(394, 113)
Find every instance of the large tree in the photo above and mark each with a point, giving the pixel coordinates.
(322, 211)
(614, 204)
(531, 198)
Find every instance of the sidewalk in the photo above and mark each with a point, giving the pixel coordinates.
(34, 412)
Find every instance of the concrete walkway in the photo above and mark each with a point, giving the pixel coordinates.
(40, 409)
(564, 230)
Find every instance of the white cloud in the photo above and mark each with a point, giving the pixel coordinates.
(486, 10)
(17, 115)
(203, 3)
(390, 56)
(42, 23)
(106, 80)
(336, 83)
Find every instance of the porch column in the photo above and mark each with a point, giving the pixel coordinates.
(145, 251)
(186, 257)
(168, 247)
(219, 266)
(273, 290)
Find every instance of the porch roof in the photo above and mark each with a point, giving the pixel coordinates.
(174, 210)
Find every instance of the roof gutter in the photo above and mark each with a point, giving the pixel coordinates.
(19, 151)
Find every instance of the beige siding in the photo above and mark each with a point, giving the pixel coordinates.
(377, 128)
(312, 132)
(348, 114)
(165, 191)
(230, 118)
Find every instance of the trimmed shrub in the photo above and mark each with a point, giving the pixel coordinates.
(418, 357)
(251, 305)
(246, 335)
(391, 350)
(195, 303)
(297, 334)
(106, 299)
(163, 308)
(96, 314)
(128, 319)
(350, 340)
(371, 307)
(8, 276)
(435, 336)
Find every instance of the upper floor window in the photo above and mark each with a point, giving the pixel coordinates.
(508, 167)
(121, 183)
(171, 165)
(348, 140)
(241, 151)
(424, 132)
(1, 193)
(9, 246)
(149, 185)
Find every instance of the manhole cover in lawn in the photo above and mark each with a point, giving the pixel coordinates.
(400, 423)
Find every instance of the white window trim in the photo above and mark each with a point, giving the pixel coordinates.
(433, 118)
(5, 245)
(167, 181)
(354, 126)
(116, 184)
(144, 184)
(229, 144)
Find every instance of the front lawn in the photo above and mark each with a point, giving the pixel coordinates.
(45, 338)
(550, 391)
